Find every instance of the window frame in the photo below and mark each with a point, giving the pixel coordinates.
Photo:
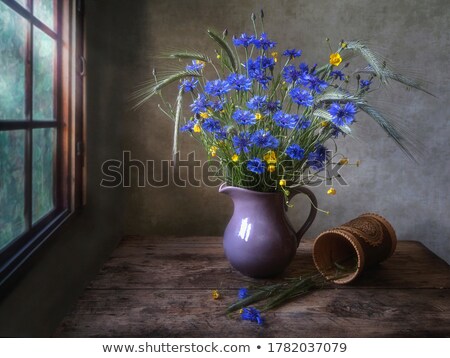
(68, 122)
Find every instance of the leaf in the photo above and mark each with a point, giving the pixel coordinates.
(224, 45)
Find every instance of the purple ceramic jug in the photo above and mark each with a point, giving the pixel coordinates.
(259, 241)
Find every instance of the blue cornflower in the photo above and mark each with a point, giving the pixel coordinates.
(285, 120)
(337, 75)
(294, 151)
(335, 131)
(211, 125)
(301, 97)
(256, 165)
(188, 85)
(242, 142)
(252, 314)
(304, 124)
(292, 53)
(272, 106)
(290, 74)
(217, 88)
(342, 115)
(243, 40)
(239, 82)
(200, 104)
(252, 66)
(195, 66)
(216, 106)
(243, 293)
(266, 62)
(188, 127)
(257, 103)
(303, 67)
(264, 139)
(318, 157)
(316, 84)
(263, 42)
(263, 79)
(365, 84)
(221, 133)
(244, 117)
(255, 71)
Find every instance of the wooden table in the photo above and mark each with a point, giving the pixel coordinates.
(161, 287)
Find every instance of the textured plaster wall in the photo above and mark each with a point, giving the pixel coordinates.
(414, 33)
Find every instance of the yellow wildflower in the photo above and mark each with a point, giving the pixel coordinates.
(215, 294)
(344, 44)
(324, 124)
(270, 157)
(271, 168)
(213, 151)
(275, 56)
(331, 191)
(235, 158)
(258, 116)
(343, 161)
(241, 311)
(335, 59)
(197, 128)
(282, 182)
(204, 115)
(218, 56)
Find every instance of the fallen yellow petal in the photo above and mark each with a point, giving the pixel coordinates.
(215, 294)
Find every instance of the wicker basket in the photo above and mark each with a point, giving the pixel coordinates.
(361, 243)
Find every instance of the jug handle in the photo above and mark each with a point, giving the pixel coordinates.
(312, 211)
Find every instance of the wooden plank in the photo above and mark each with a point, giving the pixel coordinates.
(199, 262)
(161, 287)
(324, 313)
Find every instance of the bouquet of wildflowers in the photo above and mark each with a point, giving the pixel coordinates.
(265, 115)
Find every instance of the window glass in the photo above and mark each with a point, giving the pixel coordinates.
(44, 11)
(12, 185)
(13, 30)
(43, 76)
(42, 174)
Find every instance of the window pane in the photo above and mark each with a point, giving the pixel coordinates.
(43, 74)
(43, 170)
(43, 10)
(13, 30)
(12, 186)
